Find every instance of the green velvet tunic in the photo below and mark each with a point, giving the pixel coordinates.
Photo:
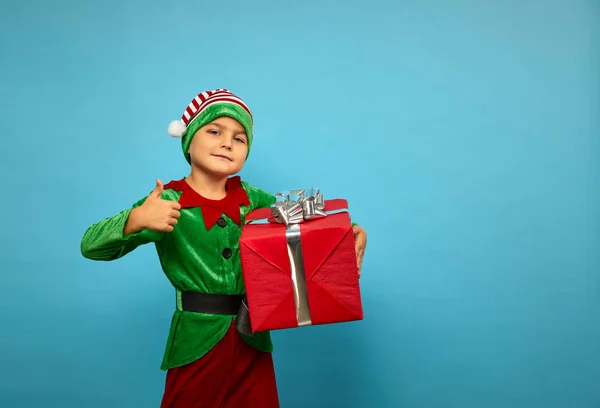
(193, 259)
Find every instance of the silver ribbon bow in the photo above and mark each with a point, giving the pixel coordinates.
(298, 206)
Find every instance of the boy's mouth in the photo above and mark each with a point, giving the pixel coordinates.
(222, 156)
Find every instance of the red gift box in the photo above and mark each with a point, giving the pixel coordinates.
(300, 274)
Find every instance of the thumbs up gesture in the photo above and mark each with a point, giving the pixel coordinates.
(155, 213)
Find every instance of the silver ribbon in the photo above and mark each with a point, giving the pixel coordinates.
(293, 209)
(298, 206)
(294, 246)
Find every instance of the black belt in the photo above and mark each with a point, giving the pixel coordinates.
(209, 303)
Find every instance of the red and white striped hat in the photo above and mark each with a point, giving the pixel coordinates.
(199, 104)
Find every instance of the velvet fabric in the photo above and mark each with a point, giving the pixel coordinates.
(212, 209)
(231, 375)
(194, 257)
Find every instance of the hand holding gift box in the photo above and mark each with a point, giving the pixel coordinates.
(299, 263)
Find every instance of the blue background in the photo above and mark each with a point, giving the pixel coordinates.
(465, 135)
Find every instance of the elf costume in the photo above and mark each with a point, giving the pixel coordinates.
(208, 360)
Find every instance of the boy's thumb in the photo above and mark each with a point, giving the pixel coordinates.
(157, 192)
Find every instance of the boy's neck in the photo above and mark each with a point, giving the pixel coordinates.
(207, 185)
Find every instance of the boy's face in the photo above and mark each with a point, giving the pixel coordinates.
(220, 147)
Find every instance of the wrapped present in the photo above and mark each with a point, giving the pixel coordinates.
(299, 263)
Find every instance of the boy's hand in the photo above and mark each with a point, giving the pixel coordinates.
(155, 214)
(360, 242)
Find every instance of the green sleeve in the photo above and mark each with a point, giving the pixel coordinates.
(104, 241)
(259, 198)
(266, 199)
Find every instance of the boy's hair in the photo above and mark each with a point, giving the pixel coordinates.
(206, 107)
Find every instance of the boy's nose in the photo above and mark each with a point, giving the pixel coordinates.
(226, 143)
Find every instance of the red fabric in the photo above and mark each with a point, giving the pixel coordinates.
(330, 268)
(232, 375)
(213, 209)
(208, 98)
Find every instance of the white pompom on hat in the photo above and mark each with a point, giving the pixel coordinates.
(177, 128)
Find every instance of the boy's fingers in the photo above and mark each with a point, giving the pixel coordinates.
(359, 259)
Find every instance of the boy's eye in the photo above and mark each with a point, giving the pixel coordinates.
(213, 132)
(239, 139)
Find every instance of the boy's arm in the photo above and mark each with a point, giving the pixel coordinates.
(113, 237)
(259, 198)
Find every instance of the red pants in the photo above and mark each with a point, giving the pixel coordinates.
(231, 375)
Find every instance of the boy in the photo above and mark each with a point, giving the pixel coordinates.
(195, 224)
